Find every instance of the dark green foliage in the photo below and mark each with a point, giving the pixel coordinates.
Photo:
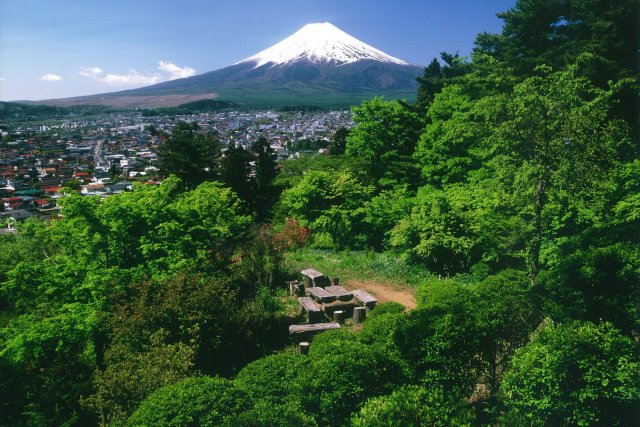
(132, 374)
(441, 345)
(189, 155)
(595, 284)
(381, 324)
(556, 32)
(55, 358)
(414, 406)
(437, 76)
(271, 415)
(339, 142)
(574, 374)
(266, 171)
(202, 401)
(235, 173)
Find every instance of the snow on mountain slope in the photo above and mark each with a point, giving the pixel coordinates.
(320, 43)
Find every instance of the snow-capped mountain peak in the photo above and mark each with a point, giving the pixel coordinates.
(322, 42)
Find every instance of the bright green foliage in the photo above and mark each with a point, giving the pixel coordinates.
(190, 155)
(414, 406)
(56, 357)
(202, 401)
(575, 374)
(556, 136)
(272, 378)
(294, 170)
(331, 205)
(382, 213)
(341, 374)
(165, 229)
(384, 130)
(451, 230)
(443, 149)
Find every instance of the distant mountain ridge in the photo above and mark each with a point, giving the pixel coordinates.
(318, 65)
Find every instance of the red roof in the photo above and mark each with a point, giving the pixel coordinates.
(51, 189)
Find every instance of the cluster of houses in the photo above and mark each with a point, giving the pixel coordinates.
(103, 156)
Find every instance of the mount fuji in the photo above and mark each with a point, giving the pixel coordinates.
(318, 65)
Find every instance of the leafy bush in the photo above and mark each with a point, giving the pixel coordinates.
(271, 379)
(194, 402)
(413, 406)
(343, 374)
(575, 374)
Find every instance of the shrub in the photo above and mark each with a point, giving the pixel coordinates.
(203, 401)
(414, 406)
(575, 374)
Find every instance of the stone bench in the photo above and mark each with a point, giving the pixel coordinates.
(341, 293)
(365, 298)
(312, 329)
(321, 295)
(314, 312)
(314, 278)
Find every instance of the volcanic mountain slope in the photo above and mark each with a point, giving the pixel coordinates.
(318, 65)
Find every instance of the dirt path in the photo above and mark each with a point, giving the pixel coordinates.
(384, 292)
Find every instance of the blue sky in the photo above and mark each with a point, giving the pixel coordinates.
(62, 48)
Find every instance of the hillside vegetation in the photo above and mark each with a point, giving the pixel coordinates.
(507, 195)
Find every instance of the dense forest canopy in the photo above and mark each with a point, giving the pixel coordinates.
(514, 179)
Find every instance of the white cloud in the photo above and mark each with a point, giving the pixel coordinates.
(174, 71)
(90, 71)
(51, 78)
(1, 79)
(169, 71)
(131, 79)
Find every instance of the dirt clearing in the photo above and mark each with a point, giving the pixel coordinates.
(384, 292)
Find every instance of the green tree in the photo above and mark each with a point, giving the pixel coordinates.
(556, 32)
(131, 376)
(555, 136)
(339, 142)
(189, 154)
(384, 131)
(331, 204)
(574, 374)
(236, 173)
(266, 171)
(436, 77)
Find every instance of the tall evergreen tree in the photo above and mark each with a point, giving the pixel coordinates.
(236, 173)
(266, 170)
(189, 155)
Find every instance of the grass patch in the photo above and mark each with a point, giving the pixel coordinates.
(359, 265)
